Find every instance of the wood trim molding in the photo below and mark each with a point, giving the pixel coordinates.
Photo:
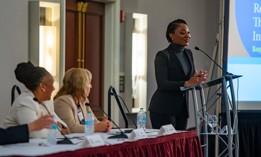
(81, 9)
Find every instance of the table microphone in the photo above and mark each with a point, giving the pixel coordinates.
(121, 135)
(227, 73)
(66, 140)
(114, 93)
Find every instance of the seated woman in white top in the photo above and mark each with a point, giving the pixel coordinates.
(35, 102)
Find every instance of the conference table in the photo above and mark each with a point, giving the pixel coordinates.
(180, 144)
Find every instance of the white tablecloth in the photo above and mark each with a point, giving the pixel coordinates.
(37, 147)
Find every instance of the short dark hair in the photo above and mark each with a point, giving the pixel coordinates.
(173, 26)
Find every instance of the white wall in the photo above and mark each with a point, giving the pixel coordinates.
(202, 18)
(13, 47)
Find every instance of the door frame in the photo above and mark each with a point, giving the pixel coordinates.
(111, 53)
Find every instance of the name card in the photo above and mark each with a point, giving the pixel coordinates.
(166, 130)
(93, 141)
(137, 134)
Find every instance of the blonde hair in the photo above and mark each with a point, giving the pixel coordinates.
(74, 82)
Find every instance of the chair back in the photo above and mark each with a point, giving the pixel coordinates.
(15, 88)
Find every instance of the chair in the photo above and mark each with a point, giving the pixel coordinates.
(15, 88)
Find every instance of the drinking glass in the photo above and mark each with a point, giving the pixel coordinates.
(212, 122)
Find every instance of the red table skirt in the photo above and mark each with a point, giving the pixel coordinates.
(184, 144)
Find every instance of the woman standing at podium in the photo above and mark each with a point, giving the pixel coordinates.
(174, 68)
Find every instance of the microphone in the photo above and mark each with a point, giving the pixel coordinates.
(66, 140)
(224, 71)
(121, 135)
(112, 92)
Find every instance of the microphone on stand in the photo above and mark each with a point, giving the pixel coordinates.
(112, 92)
(66, 140)
(116, 95)
(224, 71)
(121, 135)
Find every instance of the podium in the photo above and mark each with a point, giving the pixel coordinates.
(227, 135)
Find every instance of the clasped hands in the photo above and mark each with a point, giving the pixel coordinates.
(197, 78)
(103, 126)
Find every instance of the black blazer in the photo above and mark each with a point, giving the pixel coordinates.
(170, 76)
(16, 134)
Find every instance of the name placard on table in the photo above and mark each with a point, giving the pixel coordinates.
(166, 130)
(92, 141)
(137, 134)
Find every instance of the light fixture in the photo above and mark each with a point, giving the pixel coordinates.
(136, 27)
(48, 51)
(46, 36)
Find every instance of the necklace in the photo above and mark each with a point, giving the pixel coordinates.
(35, 99)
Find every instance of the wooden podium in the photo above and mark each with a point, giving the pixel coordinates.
(227, 135)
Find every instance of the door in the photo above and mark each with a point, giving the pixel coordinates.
(90, 44)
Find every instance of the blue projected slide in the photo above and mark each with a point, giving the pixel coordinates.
(244, 48)
(248, 20)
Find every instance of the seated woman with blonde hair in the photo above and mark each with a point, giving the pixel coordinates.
(69, 102)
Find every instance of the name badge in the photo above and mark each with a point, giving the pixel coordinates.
(137, 134)
(80, 116)
(166, 130)
(93, 141)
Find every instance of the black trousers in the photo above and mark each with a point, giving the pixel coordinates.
(179, 122)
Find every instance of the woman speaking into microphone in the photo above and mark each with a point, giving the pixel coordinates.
(174, 68)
